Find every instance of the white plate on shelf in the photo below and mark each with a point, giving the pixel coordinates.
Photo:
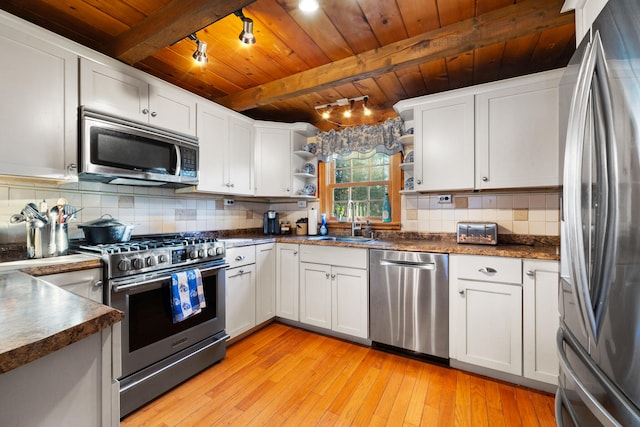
(408, 158)
(408, 183)
(308, 190)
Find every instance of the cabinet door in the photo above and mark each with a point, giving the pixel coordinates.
(350, 301)
(287, 281)
(489, 325)
(517, 140)
(38, 107)
(265, 282)
(112, 91)
(274, 149)
(172, 108)
(315, 294)
(240, 156)
(444, 145)
(540, 320)
(213, 135)
(240, 300)
(86, 283)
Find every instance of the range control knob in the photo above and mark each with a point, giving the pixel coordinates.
(193, 253)
(219, 250)
(151, 261)
(138, 263)
(124, 265)
(211, 252)
(162, 259)
(202, 253)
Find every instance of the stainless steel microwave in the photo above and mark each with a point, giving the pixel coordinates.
(120, 151)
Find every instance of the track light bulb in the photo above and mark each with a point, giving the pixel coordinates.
(246, 36)
(326, 114)
(308, 5)
(200, 55)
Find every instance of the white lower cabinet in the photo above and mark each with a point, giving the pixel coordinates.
(86, 283)
(334, 290)
(486, 311)
(265, 282)
(541, 319)
(287, 281)
(240, 297)
(504, 315)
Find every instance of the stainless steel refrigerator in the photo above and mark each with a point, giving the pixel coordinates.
(599, 336)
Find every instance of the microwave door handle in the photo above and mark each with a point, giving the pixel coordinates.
(573, 182)
(176, 147)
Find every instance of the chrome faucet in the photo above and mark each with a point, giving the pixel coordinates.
(351, 207)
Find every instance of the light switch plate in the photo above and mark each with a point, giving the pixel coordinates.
(302, 203)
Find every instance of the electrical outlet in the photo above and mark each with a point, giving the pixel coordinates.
(445, 198)
(229, 202)
(302, 203)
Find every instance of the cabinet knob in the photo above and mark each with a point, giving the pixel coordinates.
(461, 291)
(488, 270)
(418, 181)
(485, 178)
(145, 111)
(240, 271)
(98, 284)
(333, 276)
(295, 252)
(531, 273)
(154, 114)
(240, 257)
(231, 185)
(327, 274)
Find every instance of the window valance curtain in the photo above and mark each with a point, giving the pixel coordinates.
(365, 140)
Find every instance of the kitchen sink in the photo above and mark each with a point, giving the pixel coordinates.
(350, 239)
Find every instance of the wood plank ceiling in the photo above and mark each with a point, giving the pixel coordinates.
(388, 50)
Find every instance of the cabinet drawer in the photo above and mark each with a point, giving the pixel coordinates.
(488, 268)
(333, 255)
(242, 255)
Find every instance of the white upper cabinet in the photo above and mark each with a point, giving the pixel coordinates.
(586, 11)
(274, 149)
(493, 136)
(226, 151)
(517, 134)
(38, 107)
(132, 95)
(443, 147)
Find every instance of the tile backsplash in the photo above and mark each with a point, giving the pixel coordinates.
(150, 210)
(531, 213)
(156, 210)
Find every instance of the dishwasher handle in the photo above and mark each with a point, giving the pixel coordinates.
(409, 264)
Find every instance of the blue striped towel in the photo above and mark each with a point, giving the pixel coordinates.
(187, 294)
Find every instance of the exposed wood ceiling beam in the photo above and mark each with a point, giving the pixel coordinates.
(175, 21)
(501, 25)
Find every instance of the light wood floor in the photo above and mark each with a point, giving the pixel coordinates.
(286, 376)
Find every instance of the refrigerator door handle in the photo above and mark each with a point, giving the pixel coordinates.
(572, 189)
(585, 395)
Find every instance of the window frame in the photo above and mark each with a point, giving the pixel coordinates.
(395, 184)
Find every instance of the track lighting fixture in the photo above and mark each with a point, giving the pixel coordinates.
(246, 35)
(326, 109)
(200, 54)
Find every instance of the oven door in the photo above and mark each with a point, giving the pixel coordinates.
(148, 331)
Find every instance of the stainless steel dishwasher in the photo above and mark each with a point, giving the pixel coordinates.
(409, 302)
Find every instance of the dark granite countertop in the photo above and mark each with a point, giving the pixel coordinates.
(544, 248)
(39, 318)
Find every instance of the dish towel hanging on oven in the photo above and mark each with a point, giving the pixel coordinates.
(187, 294)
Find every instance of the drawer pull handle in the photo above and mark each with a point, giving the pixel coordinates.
(531, 273)
(240, 257)
(488, 270)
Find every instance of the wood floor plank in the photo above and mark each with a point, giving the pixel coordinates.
(479, 414)
(285, 376)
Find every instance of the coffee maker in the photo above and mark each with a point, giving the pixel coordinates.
(271, 222)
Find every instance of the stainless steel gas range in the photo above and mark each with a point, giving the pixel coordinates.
(159, 352)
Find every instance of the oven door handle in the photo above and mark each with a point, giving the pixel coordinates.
(118, 288)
